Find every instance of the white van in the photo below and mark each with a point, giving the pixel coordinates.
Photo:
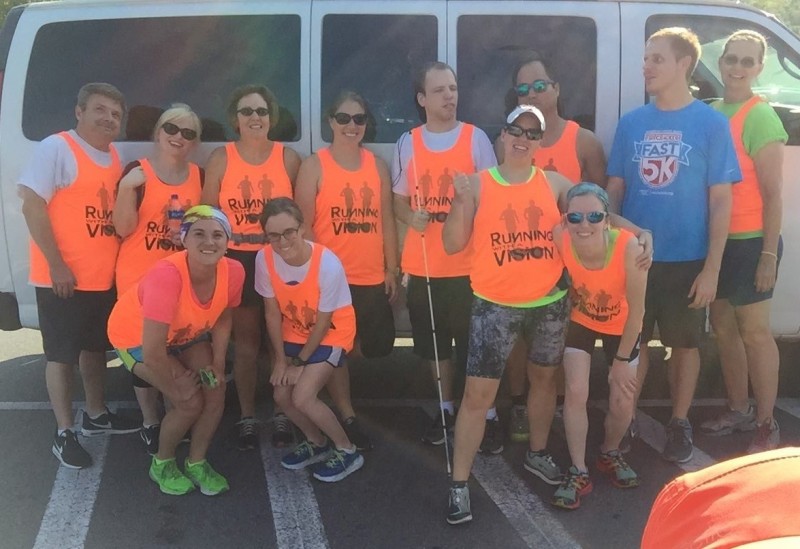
(306, 51)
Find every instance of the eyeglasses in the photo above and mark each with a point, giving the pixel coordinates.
(288, 234)
(746, 62)
(533, 134)
(248, 111)
(171, 129)
(539, 86)
(594, 218)
(343, 118)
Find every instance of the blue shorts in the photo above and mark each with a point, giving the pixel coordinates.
(737, 274)
(324, 353)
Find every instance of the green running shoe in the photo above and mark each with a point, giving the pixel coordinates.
(210, 482)
(169, 478)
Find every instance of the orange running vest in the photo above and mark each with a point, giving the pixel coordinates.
(80, 215)
(430, 184)
(348, 217)
(561, 156)
(246, 188)
(599, 299)
(747, 212)
(516, 261)
(150, 240)
(192, 319)
(299, 303)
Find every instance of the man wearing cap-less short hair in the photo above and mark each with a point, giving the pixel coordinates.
(68, 192)
(670, 170)
(425, 162)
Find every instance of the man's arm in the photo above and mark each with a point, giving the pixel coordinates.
(458, 225)
(591, 157)
(704, 289)
(616, 191)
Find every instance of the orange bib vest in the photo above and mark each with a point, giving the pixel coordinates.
(150, 240)
(430, 183)
(599, 299)
(516, 261)
(192, 319)
(348, 217)
(245, 189)
(299, 303)
(80, 215)
(561, 156)
(747, 213)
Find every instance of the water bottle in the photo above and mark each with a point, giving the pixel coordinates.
(174, 218)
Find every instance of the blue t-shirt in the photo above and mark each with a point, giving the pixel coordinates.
(668, 159)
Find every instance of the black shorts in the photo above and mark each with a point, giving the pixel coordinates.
(75, 324)
(667, 304)
(250, 297)
(452, 301)
(582, 338)
(737, 274)
(374, 320)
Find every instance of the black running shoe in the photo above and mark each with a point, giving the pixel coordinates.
(248, 439)
(282, 431)
(492, 442)
(70, 452)
(436, 433)
(149, 436)
(108, 423)
(356, 435)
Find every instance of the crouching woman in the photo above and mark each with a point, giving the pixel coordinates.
(172, 330)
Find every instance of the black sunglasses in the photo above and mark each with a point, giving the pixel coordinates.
(592, 217)
(539, 86)
(731, 59)
(248, 111)
(533, 134)
(171, 129)
(343, 118)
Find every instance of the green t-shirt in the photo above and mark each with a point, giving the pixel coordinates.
(761, 127)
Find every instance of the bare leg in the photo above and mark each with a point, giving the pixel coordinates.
(576, 420)
(618, 418)
(479, 394)
(93, 372)
(763, 359)
(541, 404)
(732, 357)
(59, 388)
(339, 389)
(247, 341)
(147, 397)
(196, 357)
(306, 401)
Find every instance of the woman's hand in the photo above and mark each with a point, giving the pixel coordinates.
(187, 383)
(390, 285)
(133, 179)
(623, 376)
(278, 373)
(766, 273)
(645, 259)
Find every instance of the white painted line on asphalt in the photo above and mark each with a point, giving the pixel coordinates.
(789, 405)
(295, 512)
(69, 511)
(523, 509)
(654, 434)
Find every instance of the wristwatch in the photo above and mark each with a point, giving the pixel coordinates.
(297, 361)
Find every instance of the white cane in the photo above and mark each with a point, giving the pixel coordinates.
(420, 208)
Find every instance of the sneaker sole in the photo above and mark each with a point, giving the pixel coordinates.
(65, 464)
(209, 492)
(493, 452)
(306, 463)
(355, 466)
(684, 460)
(729, 430)
(460, 520)
(100, 432)
(167, 490)
(541, 476)
(633, 483)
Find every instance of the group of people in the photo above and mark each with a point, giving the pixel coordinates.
(517, 251)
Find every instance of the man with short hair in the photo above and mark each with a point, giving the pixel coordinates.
(68, 191)
(670, 171)
(425, 162)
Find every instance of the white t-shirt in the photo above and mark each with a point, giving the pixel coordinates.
(482, 152)
(334, 291)
(53, 166)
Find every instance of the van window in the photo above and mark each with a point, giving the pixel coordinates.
(490, 46)
(159, 61)
(779, 82)
(375, 56)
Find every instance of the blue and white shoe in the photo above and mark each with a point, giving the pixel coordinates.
(305, 454)
(339, 466)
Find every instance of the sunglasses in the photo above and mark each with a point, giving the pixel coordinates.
(594, 218)
(746, 62)
(288, 234)
(539, 86)
(344, 118)
(248, 111)
(533, 134)
(171, 129)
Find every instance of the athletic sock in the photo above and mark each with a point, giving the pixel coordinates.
(459, 484)
(491, 414)
(62, 431)
(449, 406)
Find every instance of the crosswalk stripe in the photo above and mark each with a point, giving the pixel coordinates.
(524, 510)
(69, 511)
(654, 434)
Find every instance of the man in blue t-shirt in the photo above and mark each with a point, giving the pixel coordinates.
(670, 171)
